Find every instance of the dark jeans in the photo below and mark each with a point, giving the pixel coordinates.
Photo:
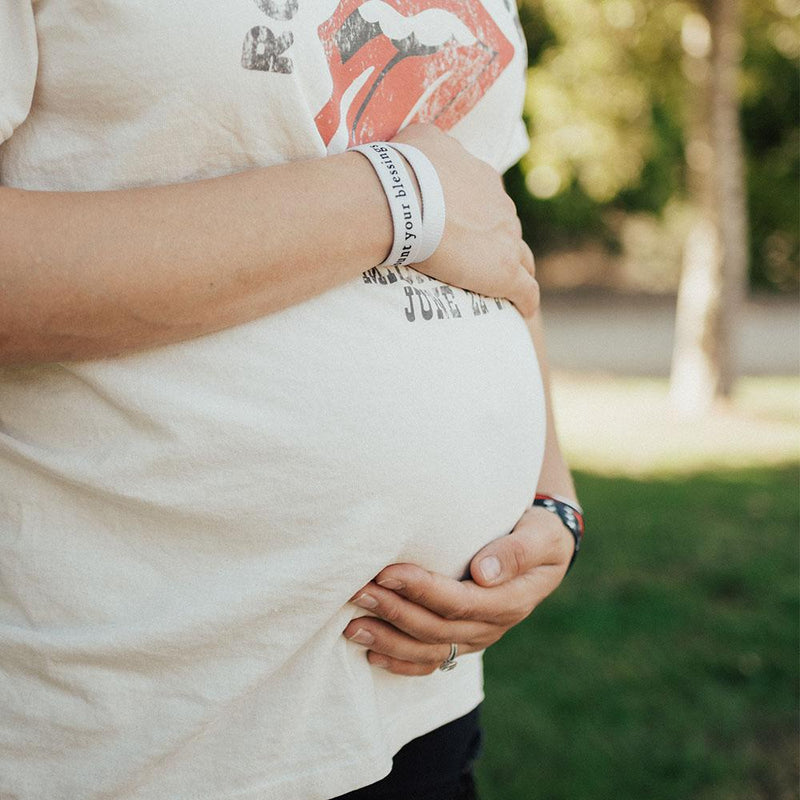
(436, 766)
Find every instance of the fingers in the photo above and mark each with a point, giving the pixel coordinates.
(526, 293)
(527, 258)
(451, 607)
(509, 576)
(399, 667)
(419, 613)
(395, 650)
(538, 540)
(420, 621)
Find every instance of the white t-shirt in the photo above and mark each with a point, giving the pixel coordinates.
(181, 529)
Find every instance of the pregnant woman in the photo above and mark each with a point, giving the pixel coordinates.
(244, 473)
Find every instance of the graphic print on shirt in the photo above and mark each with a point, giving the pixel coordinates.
(392, 63)
(427, 299)
(262, 49)
(395, 62)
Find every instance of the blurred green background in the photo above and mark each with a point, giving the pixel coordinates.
(666, 665)
(611, 88)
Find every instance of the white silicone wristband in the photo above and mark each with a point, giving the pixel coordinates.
(430, 189)
(403, 203)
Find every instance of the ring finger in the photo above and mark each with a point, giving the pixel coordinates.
(384, 639)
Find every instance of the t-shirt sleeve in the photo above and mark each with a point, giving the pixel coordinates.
(19, 57)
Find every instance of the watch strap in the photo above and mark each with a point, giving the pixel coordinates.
(570, 514)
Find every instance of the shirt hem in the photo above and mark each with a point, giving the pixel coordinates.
(371, 766)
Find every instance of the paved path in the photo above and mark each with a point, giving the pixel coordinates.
(633, 335)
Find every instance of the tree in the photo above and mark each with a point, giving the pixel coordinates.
(634, 105)
(714, 278)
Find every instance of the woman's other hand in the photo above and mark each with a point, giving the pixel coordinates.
(482, 247)
(418, 614)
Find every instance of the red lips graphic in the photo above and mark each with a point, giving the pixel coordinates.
(404, 69)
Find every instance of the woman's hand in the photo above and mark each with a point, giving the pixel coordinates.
(419, 613)
(482, 247)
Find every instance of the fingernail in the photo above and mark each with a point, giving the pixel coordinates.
(379, 661)
(391, 583)
(490, 568)
(366, 601)
(362, 637)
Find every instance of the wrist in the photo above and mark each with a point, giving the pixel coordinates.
(570, 514)
(406, 209)
(372, 218)
(412, 176)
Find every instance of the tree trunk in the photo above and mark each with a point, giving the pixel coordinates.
(730, 178)
(715, 255)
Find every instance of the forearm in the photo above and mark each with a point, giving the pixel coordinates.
(555, 477)
(94, 274)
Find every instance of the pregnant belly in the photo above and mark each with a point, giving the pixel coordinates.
(180, 530)
(376, 423)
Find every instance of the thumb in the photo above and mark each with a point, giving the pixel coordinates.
(500, 561)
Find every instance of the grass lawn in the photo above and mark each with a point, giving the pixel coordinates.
(666, 665)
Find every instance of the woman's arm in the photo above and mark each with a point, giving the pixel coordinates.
(88, 274)
(555, 477)
(418, 614)
(95, 274)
